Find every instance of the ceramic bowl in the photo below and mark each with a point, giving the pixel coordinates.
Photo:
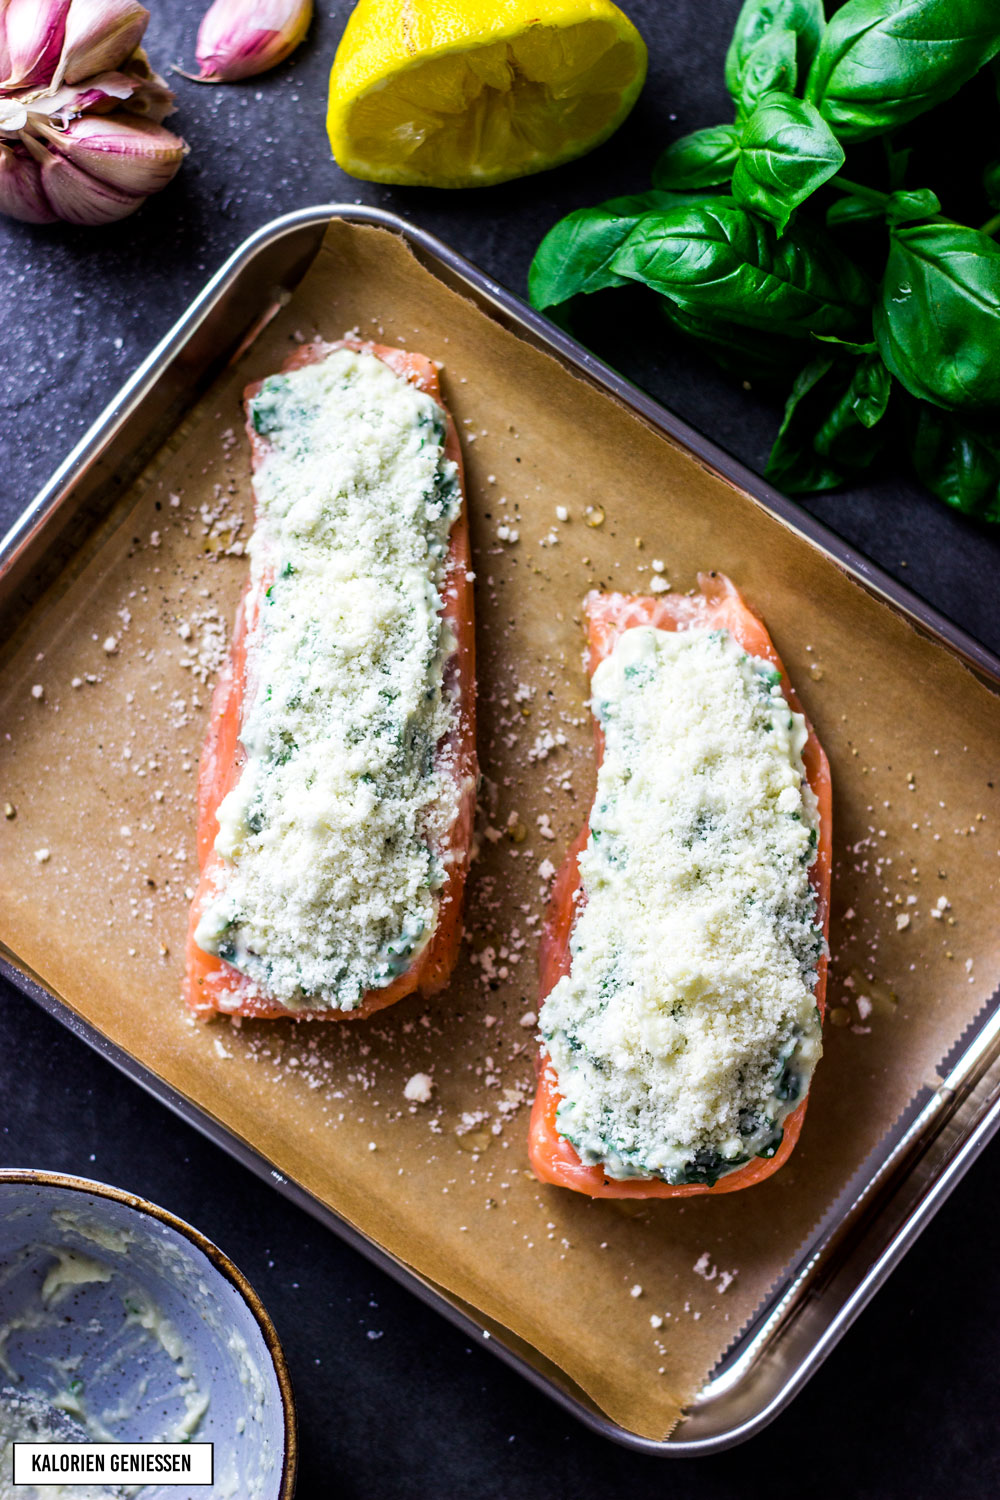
(136, 1327)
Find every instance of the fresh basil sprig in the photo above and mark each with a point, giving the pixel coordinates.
(882, 62)
(908, 314)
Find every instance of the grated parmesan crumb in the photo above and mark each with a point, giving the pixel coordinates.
(419, 1088)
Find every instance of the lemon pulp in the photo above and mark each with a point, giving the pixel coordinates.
(476, 112)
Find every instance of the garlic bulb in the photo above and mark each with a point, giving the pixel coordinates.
(239, 38)
(81, 111)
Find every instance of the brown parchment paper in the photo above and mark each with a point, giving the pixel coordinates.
(635, 1303)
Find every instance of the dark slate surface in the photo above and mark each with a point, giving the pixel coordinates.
(906, 1405)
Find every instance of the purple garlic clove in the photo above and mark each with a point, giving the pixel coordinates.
(239, 38)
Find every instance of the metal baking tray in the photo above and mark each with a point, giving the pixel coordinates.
(907, 1178)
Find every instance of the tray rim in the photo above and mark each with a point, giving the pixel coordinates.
(30, 529)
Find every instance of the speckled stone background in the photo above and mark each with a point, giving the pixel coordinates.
(392, 1401)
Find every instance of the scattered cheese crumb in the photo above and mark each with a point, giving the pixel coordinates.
(419, 1088)
(38, 691)
(110, 645)
(636, 1291)
(43, 856)
(529, 1019)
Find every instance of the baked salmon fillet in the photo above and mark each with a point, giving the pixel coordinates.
(684, 955)
(337, 786)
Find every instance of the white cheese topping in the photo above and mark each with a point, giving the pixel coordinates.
(687, 1028)
(330, 838)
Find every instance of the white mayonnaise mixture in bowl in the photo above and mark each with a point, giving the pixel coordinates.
(120, 1323)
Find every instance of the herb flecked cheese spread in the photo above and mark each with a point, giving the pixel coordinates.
(687, 1028)
(330, 839)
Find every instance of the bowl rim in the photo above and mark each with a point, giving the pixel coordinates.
(32, 1176)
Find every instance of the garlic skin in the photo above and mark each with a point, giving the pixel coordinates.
(239, 38)
(81, 111)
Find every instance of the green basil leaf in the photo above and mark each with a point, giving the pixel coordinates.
(701, 160)
(828, 433)
(756, 22)
(956, 462)
(897, 208)
(882, 62)
(904, 207)
(787, 151)
(937, 320)
(863, 405)
(740, 351)
(771, 67)
(794, 466)
(852, 210)
(846, 346)
(575, 256)
(716, 260)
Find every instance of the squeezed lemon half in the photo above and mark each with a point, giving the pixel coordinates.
(464, 93)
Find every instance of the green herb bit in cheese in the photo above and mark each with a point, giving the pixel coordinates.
(330, 838)
(687, 1028)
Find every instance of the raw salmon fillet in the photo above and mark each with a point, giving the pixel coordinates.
(210, 983)
(720, 604)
